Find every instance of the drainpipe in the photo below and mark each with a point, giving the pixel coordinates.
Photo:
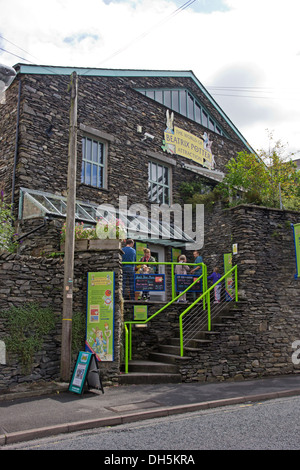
(16, 150)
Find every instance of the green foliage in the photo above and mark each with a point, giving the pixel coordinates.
(78, 331)
(26, 327)
(263, 180)
(7, 233)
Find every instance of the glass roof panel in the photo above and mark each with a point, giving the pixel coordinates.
(38, 204)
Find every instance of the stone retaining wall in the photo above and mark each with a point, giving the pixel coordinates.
(25, 278)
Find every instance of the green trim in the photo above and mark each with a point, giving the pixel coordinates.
(94, 72)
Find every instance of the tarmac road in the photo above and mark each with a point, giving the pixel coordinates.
(267, 425)
(25, 417)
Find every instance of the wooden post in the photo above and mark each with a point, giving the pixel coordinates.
(70, 237)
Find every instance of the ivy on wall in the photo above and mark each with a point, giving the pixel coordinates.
(26, 327)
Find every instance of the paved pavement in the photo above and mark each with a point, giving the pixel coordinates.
(32, 413)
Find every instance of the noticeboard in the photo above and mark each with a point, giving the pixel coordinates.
(85, 372)
(183, 281)
(149, 282)
(100, 315)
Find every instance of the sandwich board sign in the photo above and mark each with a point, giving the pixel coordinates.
(85, 372)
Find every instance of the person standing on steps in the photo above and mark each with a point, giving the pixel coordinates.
(129, 256)
(214, 277)
(197, 270)
(182, 269)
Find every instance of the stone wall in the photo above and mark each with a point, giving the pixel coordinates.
(26, 278)
(256, 340)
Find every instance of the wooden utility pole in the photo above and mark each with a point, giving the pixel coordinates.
(70, 237)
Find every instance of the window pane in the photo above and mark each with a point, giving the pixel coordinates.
(197, 113)
(88, 149)
(150, 94)
(183, 102)
(166, 196)
(94, 175)
(204, 119)
(211, 125)
(154, 172)
(95, 151)
(159, 96)
(159, 173)
(100, 180)
(88, 173)
(100, 153)
(175, 101)
(190, 106)
(167, 98)
(166, 176)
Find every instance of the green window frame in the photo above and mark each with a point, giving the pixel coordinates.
(93, 170)
(159, 183)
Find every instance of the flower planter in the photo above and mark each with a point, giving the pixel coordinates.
(107, 244)
(80, 245)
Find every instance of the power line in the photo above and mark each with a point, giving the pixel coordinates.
(144, 34)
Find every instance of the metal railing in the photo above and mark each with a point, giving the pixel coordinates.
(193, 319)
(128, 324)
(198, 315)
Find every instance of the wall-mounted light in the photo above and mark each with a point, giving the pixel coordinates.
(147, 136)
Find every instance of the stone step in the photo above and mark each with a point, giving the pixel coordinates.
(151, 367)
(148, 378)
(169, 358)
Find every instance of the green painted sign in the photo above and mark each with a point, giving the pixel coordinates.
(296, 228)
(229, 291)
(100, 315)
(140, 312)
(80, 372)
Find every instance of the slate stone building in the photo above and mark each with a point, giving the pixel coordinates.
(140, 135)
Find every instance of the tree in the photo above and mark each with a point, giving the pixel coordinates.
(266, 179)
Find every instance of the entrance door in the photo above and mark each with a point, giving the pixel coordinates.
(158, 252)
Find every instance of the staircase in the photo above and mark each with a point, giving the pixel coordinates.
(162, 366)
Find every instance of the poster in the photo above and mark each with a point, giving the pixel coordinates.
(100, 315)
(296, 228)
(229, 279)
(176, 252)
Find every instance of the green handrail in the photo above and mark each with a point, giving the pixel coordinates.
(207, 295)
(128, 334)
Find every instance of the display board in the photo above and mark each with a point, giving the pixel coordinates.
(183, 281)
(140, 312)
(296, 228)
(85, 372)
(100, 315)
(229, 291)
(149, 282)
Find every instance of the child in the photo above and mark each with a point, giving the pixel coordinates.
(182, 269)
(215, 276)
(145, 270)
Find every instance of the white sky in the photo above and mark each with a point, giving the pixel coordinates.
(249, 49)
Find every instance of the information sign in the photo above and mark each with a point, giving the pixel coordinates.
(183, 281)
(85, 372)
(149, 282)
(100, 315)
(140, 312)
(229, 279)
(296, 228)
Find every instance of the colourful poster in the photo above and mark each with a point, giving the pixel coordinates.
(296, 228)
(100, 315)
(176, 252)
(229, 279)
